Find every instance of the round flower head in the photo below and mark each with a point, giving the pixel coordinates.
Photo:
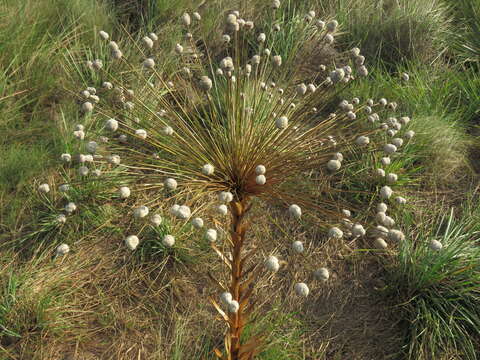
(167, 130)
(389, 222)
(335, 233)
(320, 24)
(352, 116)
(338, 156)
(332, 26)
(333, 165)
(153, 36)
(336, 76)
(226, 38)
(301, 89)
(281, 122)
(79, 134)
(260, 179)
(233, 306)
(149, 63)
(103, 34)
(140, 212)
(87, 107)
(380, 172)
(62, 249)
(186, 19)
(322, 274)
(362, 140)
(124, 192)
(66, 157)
(205, 83)
(256, 59)
(380, 243)
(400, 200)
(409, 134)
(329, 39)
(295, 211)
(226, 298)
(211, 235)
(197, 16)
(232, 22)
(386, 161)
(141, 133)
(183, 212)
(275, 4)
(260, 170)
(117, 54)
(225, 196)
(358, 230)
(208, 169)
(83, 171)
(111, 125)
(122, 138)
(178, 49)
(386, 192)
(227, 64)
(156, 220)
(261, 37)
(61, 219)
(86, 94)
(392, 178)
(302, 289)
(311, 88)
(380, 217)
(404, 120)
(129, 105)
(70, 207)
(44, 188)
(197, 223)
(64, 188)
(362, 70)
(168, 240)
(297, 246)
(396, 235)
(113, 45)
(346, 213)
(397, 142)
(114, 159)
(405, 77)
(277, 60)
(132, 242)
(436, 245)
(174, 209)
(222, 209)
(97, 64)
(272, 264)
(91, 146)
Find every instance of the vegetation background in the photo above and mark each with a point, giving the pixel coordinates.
(101, 303)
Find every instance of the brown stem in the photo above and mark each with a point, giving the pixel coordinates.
(238, 322)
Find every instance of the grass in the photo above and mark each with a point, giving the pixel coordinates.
(148, 306)
(436, 294)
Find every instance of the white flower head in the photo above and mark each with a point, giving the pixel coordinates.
(397, 142)
(222, 209)
(358, 230)
(44, 188)
(386, 192)
(147, 42)
(79, 134)
(295, 211)
(409, 134)
(211, 235)
(346, 213)
(261, 37)
(272, 263)
(380, 172)
(396, 235)
(140, 212)
(141, 133)
(208, 169)
(400, 200)
(380, 243)
(380, 217)
(277, 60)
(297, 246)
(260, 170)
(197, 223)
(62, 249)
(64, 188)
(386, 161)
(167, 130)
(113, 159)
(70, 207)
(205, 83)
(260, 179)
(91, 147)
(132, 242)
(392, 178)
(197, 16)
(178, 49)
(124, 192)
(66, 157)
(281, 122)
(149, 63)
(87, 107)
(156, 220)
(83, 171)
(334, 165)
(111, 125)
(226, 298)
(302, 289)
(225, 196)
(335, 233)
(103, 34)
(405, 77)
(183, 212)
(233, 306)
(362, 140)
(436, 245)
(322, 274)
(390, 148)
(174, 209)
(61, 219)
(388, 221)
(153, 36)
(168, 240)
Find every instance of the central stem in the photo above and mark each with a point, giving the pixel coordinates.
(238, 319)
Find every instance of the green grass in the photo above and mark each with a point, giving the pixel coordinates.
(436, 294)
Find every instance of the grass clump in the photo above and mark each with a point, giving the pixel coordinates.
(435, 288)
